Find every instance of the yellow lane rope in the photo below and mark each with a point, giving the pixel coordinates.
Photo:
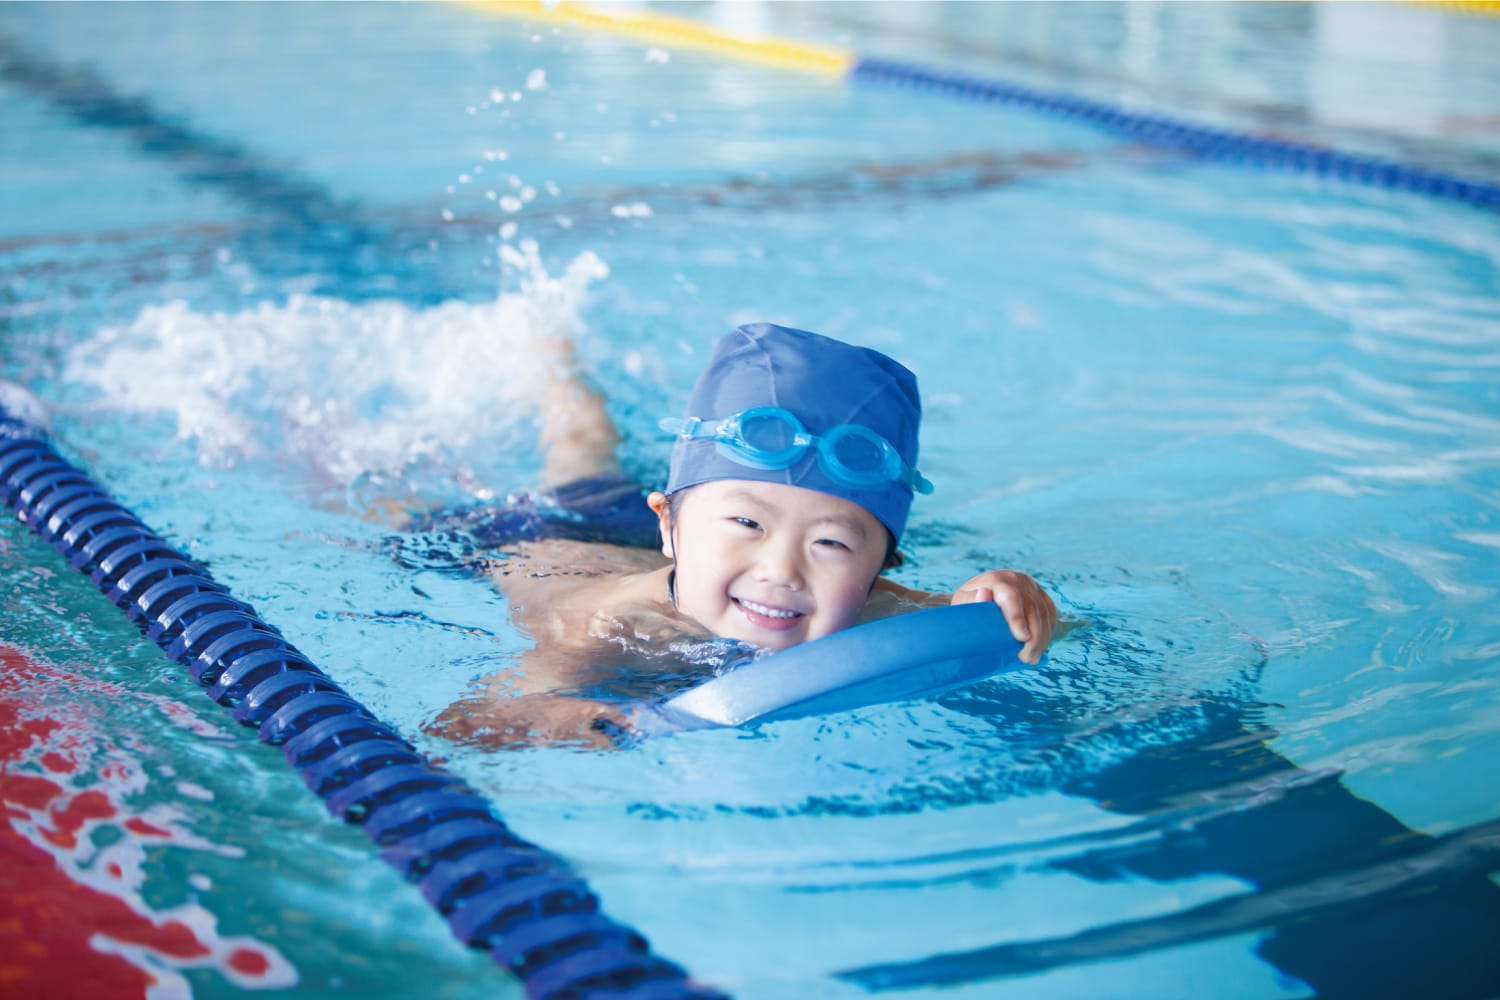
(1490, 7)
(665, 29)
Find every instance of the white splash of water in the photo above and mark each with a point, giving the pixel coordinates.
(21, 405)
(349, 390)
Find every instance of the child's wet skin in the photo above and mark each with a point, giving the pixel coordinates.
(771, 564)
(744, 554)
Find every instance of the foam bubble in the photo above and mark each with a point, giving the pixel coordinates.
(23, 406)
(351, 390)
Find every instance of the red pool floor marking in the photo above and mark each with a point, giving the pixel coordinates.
(49, 917)
(142, 828)
(248, 962)
(52, 921)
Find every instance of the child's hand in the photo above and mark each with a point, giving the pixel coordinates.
(1028, 610)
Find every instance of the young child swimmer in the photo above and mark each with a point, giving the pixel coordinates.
(791, 479)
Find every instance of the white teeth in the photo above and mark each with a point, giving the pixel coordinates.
(761, 609)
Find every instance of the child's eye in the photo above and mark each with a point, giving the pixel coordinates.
(834, 543)
(746, 522)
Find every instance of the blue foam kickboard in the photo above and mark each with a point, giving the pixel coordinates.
(906, 656)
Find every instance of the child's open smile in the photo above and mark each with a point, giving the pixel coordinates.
(771, 564)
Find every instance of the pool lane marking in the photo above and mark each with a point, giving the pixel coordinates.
(202, 159)
(649, 26)
(285, 209)
(1176, 135)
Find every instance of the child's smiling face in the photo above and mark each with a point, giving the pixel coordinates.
(771, 564)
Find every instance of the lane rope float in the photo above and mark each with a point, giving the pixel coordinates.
(1189, 139)
(498, 892)
(1166, 132)
(666, 29)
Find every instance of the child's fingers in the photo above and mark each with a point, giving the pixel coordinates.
(1029, 617)
(1019, 615)
(1038, 634)
(1028, 611)
(1045, 620)
(975, 595)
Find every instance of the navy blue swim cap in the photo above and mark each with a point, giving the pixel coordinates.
(846, 397)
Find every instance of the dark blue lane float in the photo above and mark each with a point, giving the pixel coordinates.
(1186, 138)
(525, 906)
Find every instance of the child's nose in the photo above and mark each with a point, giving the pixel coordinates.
(780, 565)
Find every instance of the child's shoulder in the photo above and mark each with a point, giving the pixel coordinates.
(556, 565)
(570, 595)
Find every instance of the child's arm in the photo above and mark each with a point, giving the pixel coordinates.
(508, 716)
(1028, 610)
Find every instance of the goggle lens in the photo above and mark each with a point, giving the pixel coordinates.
(768, 434)
(860, 456)
(770, 437)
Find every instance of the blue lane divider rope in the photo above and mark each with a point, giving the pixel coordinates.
(535, 916)
(1187, 138)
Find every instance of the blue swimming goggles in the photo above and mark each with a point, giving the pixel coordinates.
(770, 437)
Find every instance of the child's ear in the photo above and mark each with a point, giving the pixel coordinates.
(657, 501)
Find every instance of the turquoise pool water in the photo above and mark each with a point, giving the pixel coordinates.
(265, 263)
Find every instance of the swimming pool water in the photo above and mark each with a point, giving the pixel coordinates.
(260, 264)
